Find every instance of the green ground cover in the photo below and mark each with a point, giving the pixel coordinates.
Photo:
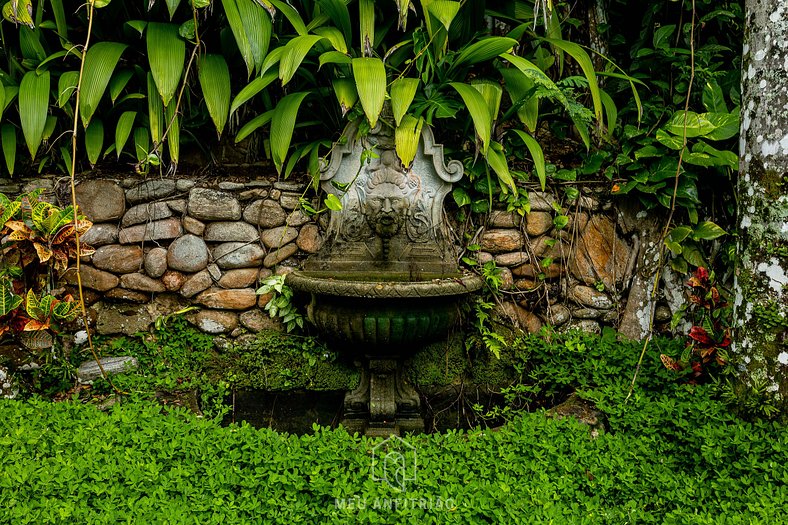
(673, 453)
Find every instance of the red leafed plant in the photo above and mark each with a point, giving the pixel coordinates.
(709, 337)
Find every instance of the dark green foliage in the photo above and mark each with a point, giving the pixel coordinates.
(672, 455)
(277, 361)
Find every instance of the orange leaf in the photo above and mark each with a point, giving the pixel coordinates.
(34, 326)
(64, 233)
(44, 253)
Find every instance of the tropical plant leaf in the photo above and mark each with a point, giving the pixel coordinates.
(294, 53)
(172, 6)
(118, 82)
(100, 62)
(492, 92)
(141, 144)
(402, 92)
(173, 132)
(584, 61)
(370, 75)
(483, 50)
(497, 161)
(9, 209)
(123, 130)
(707, 230)
(94, 140)
(9, 301)
(8, 139)
(155, 113)
(32, 307)
(334, 36)
(60, 20)
(252, 89)
(338, 12)
(2, 101)
(402, 8)
(292, 16)
(37, 339)
(444, 11)
(282, 124)
(66, 87)
(239, 32)
(713, 99)
(406, 139)
(519, 87)
(258, 28)
(536, 154)
(347, 96)
(366, 22)
(253, 125)
(479, 110)
(611, 113)
(166, 54)
(215, 82)
(333, 57)
(33, 106)
(30, 45)
(49, 128)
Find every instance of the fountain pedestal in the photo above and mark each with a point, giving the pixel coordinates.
(386, 280)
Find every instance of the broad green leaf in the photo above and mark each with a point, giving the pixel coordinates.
(713, 99)
(461, 197)
(693, 254)
(370, 75)
(215, 82)
(258, 27)
(282, 124)
(253, 125)
(338, 12)
(123, 130)
(166, 55)
(480, 112)
(49, 128)
(33, 105)
(118, 82)
(94, 140)
(345, 90)
(402, 92)
(497, 161)
(173, 132)
(366, 22)
(66, 87)
(406, 139)
(707, 230)
(172, 6)
(492, 92)
(333, 57)
(662, 36)
(2, 101)
(137, 25)
(332, 202)
(519, 87)
(679, 233)
(252, 89)
(141, 144)
(536, 154)
(611, 113)
(294, 53)
(19, 12)
(188, 30)
(696, 125)
(30, 45)
(8, 138)
(726, 125)
(584, 61)
(292, 16)
(60, 20)
(671, 141)
(334, 37)
(9, 301)
(155, 113)
(483, 50)
(722, 157)
(444, 11)
(239, 32)
(100, 62)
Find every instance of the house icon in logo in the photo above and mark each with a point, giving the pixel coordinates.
(394, 462)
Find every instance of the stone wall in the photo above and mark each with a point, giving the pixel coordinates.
(165, 244)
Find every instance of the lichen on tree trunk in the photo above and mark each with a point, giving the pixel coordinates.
(761, 304)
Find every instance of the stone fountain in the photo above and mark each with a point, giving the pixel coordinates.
(386, 280)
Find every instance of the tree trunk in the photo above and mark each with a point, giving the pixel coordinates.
(761, 303)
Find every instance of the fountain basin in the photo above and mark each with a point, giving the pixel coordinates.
(391, 316)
